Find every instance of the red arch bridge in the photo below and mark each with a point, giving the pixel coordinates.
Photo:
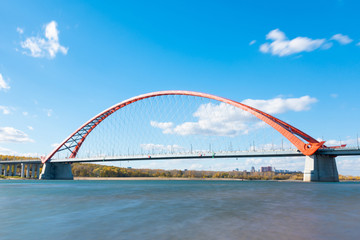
(170, 125)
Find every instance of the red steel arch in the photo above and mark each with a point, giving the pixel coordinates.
(76, 139)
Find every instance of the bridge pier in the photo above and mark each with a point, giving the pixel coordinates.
(27, 170)
(33, 171)
(60, 171)
(22, 174)
(38, 171)
(320, 168)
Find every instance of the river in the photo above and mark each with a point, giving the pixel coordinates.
(172, 209)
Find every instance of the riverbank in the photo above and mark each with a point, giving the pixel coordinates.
(166, 179)
(156, 178)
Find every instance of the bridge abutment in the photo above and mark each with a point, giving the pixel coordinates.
(320, 168)
(59, 171)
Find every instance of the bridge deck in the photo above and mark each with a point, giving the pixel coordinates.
(181, 156)
(256, 154)
(26, 161)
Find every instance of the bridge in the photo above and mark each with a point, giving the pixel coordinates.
(30, 168)
(127, 132)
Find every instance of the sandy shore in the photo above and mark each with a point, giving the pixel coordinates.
(154, 178)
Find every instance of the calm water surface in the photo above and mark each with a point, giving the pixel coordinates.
(178, 210)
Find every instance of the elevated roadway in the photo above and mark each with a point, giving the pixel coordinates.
(255, 154)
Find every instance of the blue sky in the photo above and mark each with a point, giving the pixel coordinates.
(98, 53)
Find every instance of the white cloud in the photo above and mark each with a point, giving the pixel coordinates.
(45, 47)
(342, 39)
(29, 154)
(218, 120)
(25, 113)
(273, 147)
(20, 30)
(5, 110)
(281, 105)
(254, 161)
(334, 95)
(161, 147)
(6, 151)
(252, 42)
(165, 126)
(3, 84)
(55, 145)
(30, 128)
(10, 134)
(333, 142)
(350, 142)
(282, 46)
(226, 120)
(348, 165)
(285, 163)
(196, 166)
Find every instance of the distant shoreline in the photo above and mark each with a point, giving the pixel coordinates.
(168, 179)
(156, 178)
(178, 179)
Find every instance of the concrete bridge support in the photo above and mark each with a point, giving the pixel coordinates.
(5, 170)
(27, 170)
(37, 171)
(33, 171)
(60, 171)
(320, 168)
(22, 174)
(34, 168)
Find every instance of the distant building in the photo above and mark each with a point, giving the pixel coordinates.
(252, 169)
(266, 169)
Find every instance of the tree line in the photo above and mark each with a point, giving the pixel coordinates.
(96, 170)
(14, 158)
